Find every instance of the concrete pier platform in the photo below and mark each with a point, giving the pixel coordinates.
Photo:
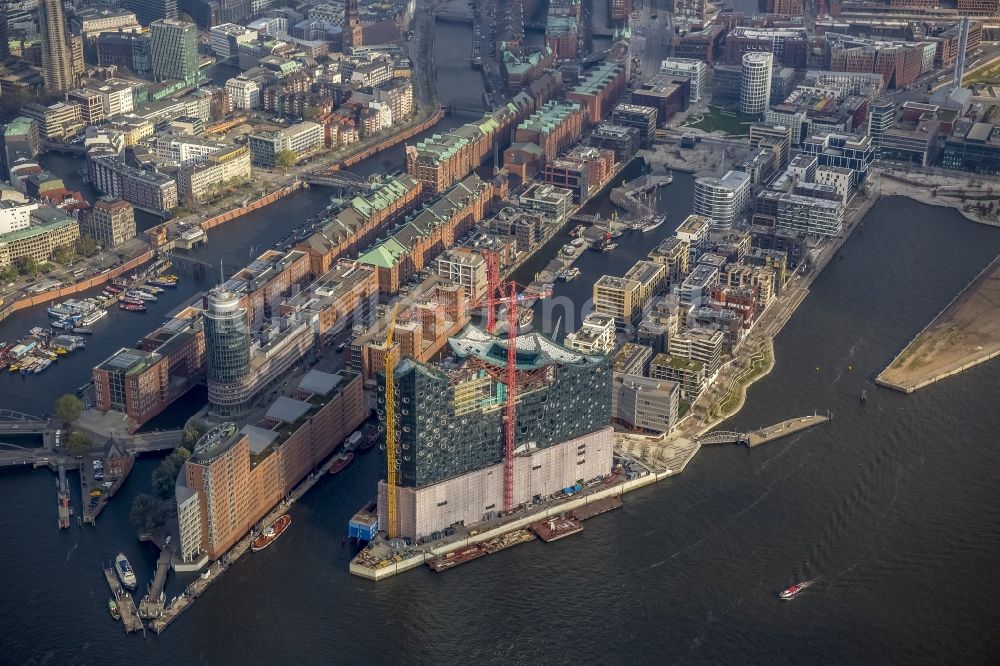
(126, 604)
(784, 429)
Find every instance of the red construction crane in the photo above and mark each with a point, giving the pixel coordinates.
(509, 294)
(497, 292)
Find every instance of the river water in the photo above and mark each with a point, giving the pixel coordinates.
(892, 506)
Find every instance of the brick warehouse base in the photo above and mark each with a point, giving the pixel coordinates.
(469, 497)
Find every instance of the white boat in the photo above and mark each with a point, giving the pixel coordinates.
(649, 225)
(44, 363)
(140, 294)
(93, 317)
(124, 570)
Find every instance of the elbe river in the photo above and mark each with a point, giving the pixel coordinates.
(893, 507)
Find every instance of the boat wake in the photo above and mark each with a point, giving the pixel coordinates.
(72, 550)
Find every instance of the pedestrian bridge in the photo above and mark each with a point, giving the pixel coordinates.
(724, 437)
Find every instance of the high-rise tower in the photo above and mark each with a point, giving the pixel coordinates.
(227, 343)
(173, 50)
(755, 83)
(57, 59)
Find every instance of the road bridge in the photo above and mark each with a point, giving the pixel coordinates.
(18, 422)
(453, 17)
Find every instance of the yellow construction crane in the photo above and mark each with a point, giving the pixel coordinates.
(390, 432)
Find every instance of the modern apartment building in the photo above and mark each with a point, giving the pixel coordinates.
(724, 200)
(300, 140)
(643, 118)
(596, 335)
(625, 298)
(135, 383)
(147, 190)
(173, 50)
(695, 71)
(755, 84)
(214, 174)
(642, 404)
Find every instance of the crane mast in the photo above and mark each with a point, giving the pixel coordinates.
(510, 408)
(390, 433)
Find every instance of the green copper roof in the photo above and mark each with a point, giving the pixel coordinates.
(383, 255)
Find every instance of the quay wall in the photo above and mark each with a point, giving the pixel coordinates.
(434, 119)
(943, 313)
(83, 285)
(266, 200)
(615, 490)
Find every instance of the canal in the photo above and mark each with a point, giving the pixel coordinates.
(234, 244)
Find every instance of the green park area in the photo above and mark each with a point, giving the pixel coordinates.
(718, 119)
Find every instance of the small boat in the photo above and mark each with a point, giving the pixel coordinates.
(570, 274)
(113, 609)
(342, 461)
(369, 442)
(568, 250)
(140, 294)
(83, 330)
(270, 533)
(94, 317)
(864, 395)
(602, 243)
(795, 590)
(132, 307)
(650, 224)
(125, 572)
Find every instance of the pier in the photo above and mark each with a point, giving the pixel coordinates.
(126, 604)
(152, 604)
(764, 435)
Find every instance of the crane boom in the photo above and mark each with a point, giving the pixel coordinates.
(390, 432)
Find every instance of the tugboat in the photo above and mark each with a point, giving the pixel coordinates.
(113, 609)
(603, 243)
(795, 590)
(272, 532)
(342, 461)
(125, 573)
(369, 441)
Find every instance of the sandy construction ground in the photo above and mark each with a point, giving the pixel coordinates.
(966, 332)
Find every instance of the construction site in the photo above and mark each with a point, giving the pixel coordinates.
(964, 334)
